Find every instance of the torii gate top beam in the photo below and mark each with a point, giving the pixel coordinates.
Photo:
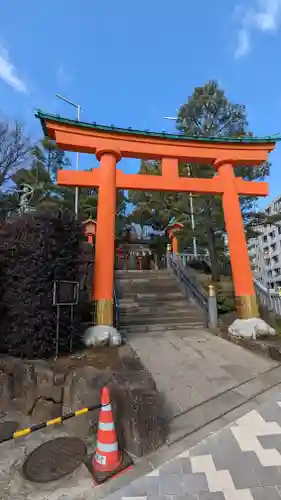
(84, 137)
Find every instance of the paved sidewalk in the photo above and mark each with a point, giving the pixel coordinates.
(240, 462)
(191, 366)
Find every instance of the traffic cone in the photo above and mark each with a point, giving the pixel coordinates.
(108, 460)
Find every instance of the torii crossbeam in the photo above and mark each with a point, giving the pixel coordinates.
(110, 144)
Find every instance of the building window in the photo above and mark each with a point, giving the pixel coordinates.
(275, 259)
(265, 237)
(279, 229)
(273, 247)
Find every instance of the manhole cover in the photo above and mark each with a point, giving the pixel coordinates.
(54, 459)
(7, 429)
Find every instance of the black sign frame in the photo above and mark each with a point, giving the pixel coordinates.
(61, 297)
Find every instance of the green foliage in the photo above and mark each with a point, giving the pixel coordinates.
(255, 220)
(207, 113)
(47, 248)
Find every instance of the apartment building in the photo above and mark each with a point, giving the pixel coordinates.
(265, 251)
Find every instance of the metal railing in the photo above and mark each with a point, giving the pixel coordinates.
(268, 298)
(116, 310)
(185, 258)
(191, 287)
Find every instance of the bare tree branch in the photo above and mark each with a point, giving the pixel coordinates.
(14, 149)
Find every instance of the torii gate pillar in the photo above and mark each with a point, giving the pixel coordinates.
(105, 237)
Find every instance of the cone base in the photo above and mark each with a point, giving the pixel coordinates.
(101, 477)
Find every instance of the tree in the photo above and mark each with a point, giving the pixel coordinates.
(254, 221)
(207, 113)
(14, 149)
(40, 174)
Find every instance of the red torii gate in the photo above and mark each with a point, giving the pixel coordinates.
(110, 144)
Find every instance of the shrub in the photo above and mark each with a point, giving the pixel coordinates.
(47, 249)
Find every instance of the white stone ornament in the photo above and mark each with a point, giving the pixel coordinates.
(102, 335)
(251, 328)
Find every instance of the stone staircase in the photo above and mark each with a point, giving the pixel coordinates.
(153, 300)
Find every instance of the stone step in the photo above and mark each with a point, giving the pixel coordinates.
(164, 320)
(145, 294)
(129, 311)
(149, 287)
(157, 309)
(158, 327)
(135, 272)
(155, 304)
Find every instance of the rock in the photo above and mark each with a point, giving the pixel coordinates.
(6, 391)
(45, 382)
(251, 328)
(130, 374)
(138, 408)
(82, 389)
(102, 335)
(140, 425)
(45, 410)
(24, 386)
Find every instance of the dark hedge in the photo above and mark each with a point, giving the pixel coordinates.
(35, 251)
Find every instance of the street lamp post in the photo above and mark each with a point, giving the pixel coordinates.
(190, 202)
(78, 110)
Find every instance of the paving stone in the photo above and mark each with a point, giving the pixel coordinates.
(270, 493)
(270, 412)
(195, 483)
(270, 442)
(173, 467)
(144, 486)
(162, 497)
(211, 496)
(172, 484)
(222, 464)
(185, 497)
(268, 476)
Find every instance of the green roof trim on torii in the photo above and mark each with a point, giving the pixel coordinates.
(164, 135)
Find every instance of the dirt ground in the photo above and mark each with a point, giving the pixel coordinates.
(98, 357)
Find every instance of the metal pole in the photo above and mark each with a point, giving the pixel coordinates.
(57, 332)
(192, 220)
(212, 307)
(71, 327)
(193, 225)
(190, 202)
(78, 108)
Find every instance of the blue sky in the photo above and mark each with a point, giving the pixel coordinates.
(131, 63)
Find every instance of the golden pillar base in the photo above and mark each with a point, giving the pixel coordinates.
(104, 312)
(247, 307)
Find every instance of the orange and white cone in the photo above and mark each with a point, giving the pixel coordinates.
(107, 457)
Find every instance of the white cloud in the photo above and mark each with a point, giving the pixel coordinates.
(263, 16)
(8, 72)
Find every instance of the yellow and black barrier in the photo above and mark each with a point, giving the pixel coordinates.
(48, 423)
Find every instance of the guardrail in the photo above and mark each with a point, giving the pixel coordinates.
(268, 298)
(116, 310)
(191, 287)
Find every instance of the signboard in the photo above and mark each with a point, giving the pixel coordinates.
(65, 293)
